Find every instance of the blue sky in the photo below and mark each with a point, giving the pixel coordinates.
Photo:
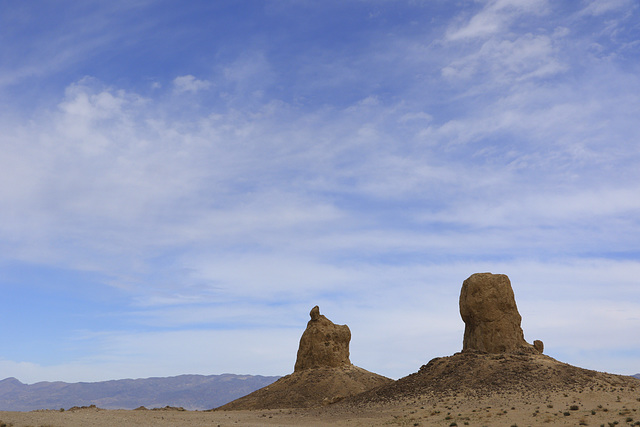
(180, 182)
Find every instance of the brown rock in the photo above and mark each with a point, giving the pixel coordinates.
(323, 373)
(492, 322)
(323, 344)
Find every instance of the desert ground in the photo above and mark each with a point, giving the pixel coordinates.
(611, 407)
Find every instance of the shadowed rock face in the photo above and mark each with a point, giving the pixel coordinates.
(323, 344)
(492, 322)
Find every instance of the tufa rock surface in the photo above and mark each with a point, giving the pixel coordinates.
(323, 344)
(538, 345)
(322, 375)
(492, 322)
(477, 374)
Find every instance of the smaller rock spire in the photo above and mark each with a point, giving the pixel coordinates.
(323, 344)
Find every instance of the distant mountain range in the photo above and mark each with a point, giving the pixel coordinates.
(192, 392)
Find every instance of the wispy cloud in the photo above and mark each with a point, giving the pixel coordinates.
(495, 17)
(525, 58)
(600, 7)
(189, 83)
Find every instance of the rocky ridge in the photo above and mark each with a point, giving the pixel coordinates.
(477, 374)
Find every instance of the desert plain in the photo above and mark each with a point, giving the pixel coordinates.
(584, 407)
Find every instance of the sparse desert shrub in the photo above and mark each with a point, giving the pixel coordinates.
(574, 407)
(566, 413)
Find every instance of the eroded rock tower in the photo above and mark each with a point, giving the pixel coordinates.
(323, 344)
(492, 322)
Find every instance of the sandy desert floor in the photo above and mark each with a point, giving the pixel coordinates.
(614, 407)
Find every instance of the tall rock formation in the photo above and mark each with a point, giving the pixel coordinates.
(323, 373)
(495, 360)
(323, 344)
(492, 322)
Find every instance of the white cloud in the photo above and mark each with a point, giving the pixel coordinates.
(495, 17)
(600, 7)
(509, 61)
(123, 175)
(189, 83)
(246, 77)
(419, 116)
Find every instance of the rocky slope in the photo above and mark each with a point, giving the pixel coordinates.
(477, 374)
